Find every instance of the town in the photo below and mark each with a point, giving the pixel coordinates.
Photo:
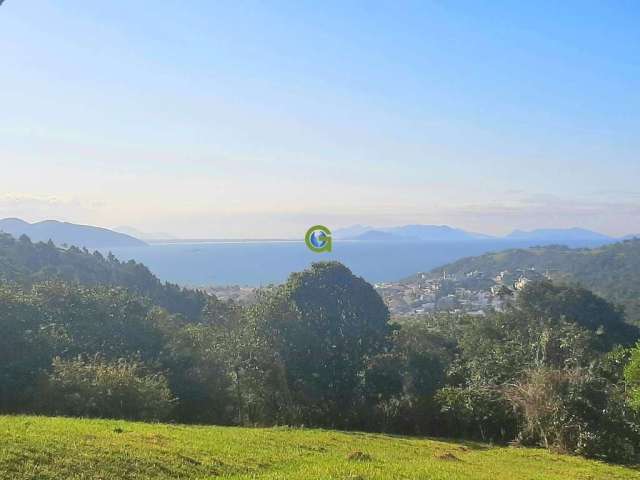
(473, 293)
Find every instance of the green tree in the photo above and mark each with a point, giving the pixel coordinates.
(578, 305)
(324, 323)
(197, 376)
(27, 344)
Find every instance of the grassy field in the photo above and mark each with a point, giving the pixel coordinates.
(58, 448)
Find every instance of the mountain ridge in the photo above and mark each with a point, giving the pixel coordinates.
(548, 234)
(435, 233)
(62, 233)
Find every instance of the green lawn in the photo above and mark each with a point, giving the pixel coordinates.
(59, 448)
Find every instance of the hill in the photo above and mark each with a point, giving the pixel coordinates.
(560, 235)
(63, 233)
(24, 262)
(443, 233)
(436, 233)
(54, 448)
(378, 236)
(612, 271)
(422, 233)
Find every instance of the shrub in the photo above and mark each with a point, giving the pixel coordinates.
(632, 378)
(97, 388)
(539, 399)
(476, 411)
(575, 411)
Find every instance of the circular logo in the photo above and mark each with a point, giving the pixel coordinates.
(318, 239)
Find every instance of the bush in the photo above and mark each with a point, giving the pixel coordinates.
(476, 411)
(539, 398)
(632, 378)
(97, 388)
(575, 411)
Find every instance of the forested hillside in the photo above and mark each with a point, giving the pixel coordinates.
(24, 262)
(612, 271)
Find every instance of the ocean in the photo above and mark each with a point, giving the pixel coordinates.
(256, 263)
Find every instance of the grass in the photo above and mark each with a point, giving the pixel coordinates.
(60, 448)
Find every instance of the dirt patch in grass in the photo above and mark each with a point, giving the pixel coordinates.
(359, 456)
(156, 439)
(190, 460)
(312, 448)
(448, 456)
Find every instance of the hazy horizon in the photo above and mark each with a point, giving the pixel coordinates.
(208, 120)
(344, 231)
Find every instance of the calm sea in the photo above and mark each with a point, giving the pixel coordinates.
(257, 263)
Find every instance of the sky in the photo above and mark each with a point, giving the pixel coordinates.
(239, 119)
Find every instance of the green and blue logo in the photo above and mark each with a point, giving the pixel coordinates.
(318, 239)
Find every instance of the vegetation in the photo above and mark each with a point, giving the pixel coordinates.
(95, 387)
(632, 376)
(54, 448)
(611, 271)
(25, 263)
(555, 369)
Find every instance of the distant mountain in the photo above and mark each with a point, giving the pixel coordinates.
(435, 233)
(377, 235)
(631, 237)
(134, 232)
(422, 233)
(552, 235)
(62, 233)
(351, 232)
(612, 271)
(443, 233)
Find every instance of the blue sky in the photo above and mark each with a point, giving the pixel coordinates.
(257, 119)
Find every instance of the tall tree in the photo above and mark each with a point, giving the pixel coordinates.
(325, 324)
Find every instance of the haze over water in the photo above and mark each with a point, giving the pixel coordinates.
(260, 263)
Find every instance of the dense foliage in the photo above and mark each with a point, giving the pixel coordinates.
(632, 376)
(553, 369)
(95, 387)
(26, 263)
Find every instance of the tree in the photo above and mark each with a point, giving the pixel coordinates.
(578, 305)
(197, 376)
(324, 323)
(27, 344)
